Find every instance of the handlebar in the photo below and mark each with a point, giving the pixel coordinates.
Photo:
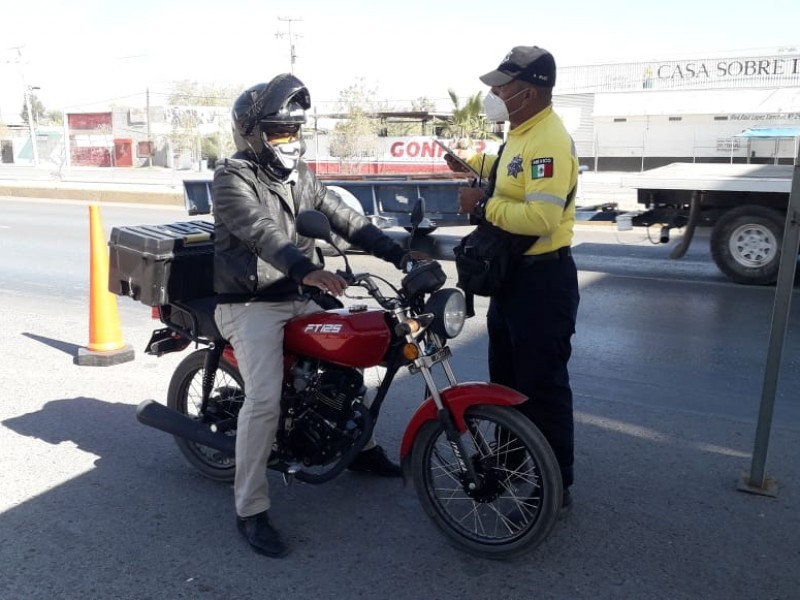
(423, 276)
(365, 280)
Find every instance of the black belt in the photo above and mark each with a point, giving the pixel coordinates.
(553, 255)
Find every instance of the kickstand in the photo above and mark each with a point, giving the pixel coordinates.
(289, 473)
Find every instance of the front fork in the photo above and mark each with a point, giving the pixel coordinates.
(456, 441)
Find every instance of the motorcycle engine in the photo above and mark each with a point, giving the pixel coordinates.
(321, 422)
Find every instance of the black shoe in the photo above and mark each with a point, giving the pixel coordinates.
(261, 535)
(566, 504)
(375, 461)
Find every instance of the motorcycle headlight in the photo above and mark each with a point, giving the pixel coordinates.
(449, 312)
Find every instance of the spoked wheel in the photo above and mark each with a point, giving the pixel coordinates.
(227, 395)
(519, 492)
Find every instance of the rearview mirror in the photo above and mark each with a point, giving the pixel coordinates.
(418, 212)
(314, 224)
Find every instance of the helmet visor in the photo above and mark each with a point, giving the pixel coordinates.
(278, 133)
(289, 119)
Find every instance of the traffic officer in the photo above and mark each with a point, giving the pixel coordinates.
(531, 323)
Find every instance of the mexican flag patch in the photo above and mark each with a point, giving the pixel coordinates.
(541, 168)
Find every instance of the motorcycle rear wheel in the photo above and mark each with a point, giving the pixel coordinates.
(517, 505)
(227, 396)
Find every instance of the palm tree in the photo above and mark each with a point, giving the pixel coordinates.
(468, 121)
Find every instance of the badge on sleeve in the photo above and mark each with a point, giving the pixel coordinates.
(515, 166)
(541, 168)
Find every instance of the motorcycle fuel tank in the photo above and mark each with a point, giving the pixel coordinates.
(351, 337)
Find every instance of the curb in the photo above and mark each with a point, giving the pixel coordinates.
(94, 194)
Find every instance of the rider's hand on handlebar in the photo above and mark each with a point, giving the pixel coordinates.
(326, 281)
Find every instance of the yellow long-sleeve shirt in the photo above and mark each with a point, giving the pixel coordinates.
(538, 169)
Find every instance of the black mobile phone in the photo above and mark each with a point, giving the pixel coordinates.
(464, 164)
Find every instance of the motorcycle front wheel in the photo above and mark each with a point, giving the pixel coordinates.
(516, 501)
(185, 395)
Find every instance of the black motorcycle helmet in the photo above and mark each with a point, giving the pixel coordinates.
(267, 109)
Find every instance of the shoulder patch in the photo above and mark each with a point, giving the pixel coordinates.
(541, 168)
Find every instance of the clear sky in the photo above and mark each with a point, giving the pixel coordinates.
(99, 50)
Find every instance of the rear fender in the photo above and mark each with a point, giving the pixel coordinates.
(458, 399)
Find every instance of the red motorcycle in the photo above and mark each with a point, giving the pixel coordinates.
(484, 474)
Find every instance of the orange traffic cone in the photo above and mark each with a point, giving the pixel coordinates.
(106, 346)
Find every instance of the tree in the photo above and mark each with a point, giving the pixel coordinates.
(192, 93)
(184, 98)
(468, 121)
(356, 136)
(37, 109)
(410, 127)
(55, 117)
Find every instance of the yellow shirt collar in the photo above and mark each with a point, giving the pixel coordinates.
(532, 122)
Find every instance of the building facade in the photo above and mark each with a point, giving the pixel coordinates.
(623, 117)
(641, 115)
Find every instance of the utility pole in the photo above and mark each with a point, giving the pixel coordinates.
(292, 37)
(27, 90)
(31, 127)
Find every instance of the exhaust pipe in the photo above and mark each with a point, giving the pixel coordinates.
(153, 414)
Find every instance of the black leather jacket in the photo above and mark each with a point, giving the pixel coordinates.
(257, 252)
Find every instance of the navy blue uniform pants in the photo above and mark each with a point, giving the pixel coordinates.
(530, 329)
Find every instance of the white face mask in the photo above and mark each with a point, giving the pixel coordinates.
(495, 107)
(289, 153)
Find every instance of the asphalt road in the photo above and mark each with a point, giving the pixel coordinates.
(667, 373)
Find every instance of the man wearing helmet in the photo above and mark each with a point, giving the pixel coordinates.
(263, 272)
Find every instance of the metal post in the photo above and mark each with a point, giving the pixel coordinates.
(31, 127)
(149, 138)
(644, 141)
(67, 149)
(756, 482)
(316, 141)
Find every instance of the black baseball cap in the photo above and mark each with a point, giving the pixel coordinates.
(528, 63)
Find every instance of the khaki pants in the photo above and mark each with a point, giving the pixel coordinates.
(255, 330)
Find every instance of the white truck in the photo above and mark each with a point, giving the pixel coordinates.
(744, 204)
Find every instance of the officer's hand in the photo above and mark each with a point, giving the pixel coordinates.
(454, 165)
(326, 281)
(468, 197)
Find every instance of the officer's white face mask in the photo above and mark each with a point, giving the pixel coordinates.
(495, 107)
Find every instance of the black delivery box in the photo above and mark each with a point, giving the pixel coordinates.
(160, 264)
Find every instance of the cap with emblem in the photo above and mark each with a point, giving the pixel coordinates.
(527, 63)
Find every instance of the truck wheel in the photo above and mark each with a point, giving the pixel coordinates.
(746, 244)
